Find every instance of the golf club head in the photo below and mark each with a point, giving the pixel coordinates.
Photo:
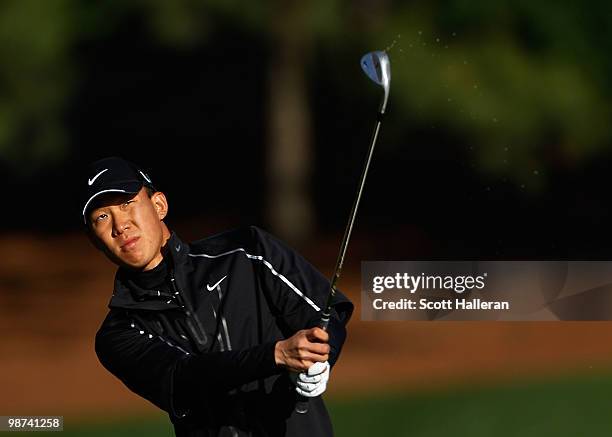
(377, 67)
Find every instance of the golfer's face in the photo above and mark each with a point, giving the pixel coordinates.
(130, 228)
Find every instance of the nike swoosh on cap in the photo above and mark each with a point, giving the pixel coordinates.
(212, 287)
(92, 180)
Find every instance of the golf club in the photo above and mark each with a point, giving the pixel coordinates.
(377, 67)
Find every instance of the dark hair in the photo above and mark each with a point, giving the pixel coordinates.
(150, 189)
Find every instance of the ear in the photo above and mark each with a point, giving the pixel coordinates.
(160, 203)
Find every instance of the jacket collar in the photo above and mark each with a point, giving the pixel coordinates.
(128, 295)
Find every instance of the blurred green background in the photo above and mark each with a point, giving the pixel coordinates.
(496, 145)
(496, 142)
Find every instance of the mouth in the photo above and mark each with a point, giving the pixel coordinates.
(129, 244)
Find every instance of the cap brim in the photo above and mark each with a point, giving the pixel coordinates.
(131, 187)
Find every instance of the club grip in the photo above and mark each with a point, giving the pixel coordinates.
(324, 322)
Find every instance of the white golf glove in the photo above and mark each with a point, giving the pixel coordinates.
(313, 382)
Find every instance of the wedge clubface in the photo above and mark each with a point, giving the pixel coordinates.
(377, 67)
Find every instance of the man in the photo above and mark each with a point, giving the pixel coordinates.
(220, 333)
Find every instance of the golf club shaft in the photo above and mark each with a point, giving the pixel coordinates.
(349, 229)
(302, 404)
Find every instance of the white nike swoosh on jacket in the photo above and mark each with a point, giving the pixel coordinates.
(212, 287)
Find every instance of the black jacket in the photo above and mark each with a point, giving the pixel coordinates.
(202, 348)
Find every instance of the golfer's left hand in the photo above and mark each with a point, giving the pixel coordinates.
(313, 382)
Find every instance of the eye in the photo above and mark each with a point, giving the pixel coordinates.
(100, 217)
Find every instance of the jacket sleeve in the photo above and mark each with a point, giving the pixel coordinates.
(169, 377)
(297, 292)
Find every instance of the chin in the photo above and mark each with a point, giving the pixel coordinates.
(135, 264)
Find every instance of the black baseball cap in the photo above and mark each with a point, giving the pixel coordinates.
(113, 175)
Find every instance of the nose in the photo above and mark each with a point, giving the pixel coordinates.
(121, 223)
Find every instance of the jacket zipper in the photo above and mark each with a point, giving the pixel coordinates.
(192, 321)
